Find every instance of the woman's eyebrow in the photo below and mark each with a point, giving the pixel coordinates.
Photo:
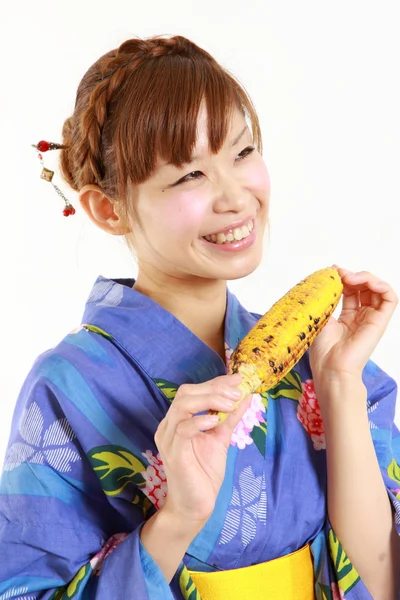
(238, 138)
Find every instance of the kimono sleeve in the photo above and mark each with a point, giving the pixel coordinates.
(59, 536)
(381, 405)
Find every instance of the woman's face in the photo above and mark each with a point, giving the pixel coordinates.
(207, 219)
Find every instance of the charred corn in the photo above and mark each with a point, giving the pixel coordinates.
(281, 337)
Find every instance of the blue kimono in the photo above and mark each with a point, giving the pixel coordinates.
(82, 472)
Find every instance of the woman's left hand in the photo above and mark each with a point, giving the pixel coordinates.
(344, 346)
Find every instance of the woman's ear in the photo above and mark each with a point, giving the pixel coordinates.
(104, 213)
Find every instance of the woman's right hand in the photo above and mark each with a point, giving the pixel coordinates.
(194, 449)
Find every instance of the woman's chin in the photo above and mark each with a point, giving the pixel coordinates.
(240, 274)
(241, 268)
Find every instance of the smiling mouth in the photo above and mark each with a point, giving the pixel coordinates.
(231, 235)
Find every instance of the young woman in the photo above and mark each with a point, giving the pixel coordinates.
(117, 483)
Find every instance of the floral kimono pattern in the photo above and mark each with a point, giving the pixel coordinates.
(82, 472)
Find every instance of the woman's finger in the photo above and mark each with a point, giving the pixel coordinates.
(186, 407)
(342, 272)
(215, 386)
(370, 298)
(191, 427)
(365, 289)
(350, 299)
(370, 288)
(224, 430)
(189, 406)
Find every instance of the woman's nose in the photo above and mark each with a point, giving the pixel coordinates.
(230, 196)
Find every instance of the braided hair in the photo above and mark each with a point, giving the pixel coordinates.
(140, 102)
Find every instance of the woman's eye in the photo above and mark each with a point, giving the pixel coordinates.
(247, 151)
(189, 178)
(197, 174)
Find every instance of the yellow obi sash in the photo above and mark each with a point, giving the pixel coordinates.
(290, 577)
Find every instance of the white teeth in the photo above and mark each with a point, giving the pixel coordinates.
(221, 238)
(236, 234)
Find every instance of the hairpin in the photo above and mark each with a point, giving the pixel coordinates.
(47, 174)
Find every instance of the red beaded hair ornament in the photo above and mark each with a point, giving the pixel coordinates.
(47, 175)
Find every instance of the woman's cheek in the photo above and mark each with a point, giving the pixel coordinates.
(187, 212)
(257, 178)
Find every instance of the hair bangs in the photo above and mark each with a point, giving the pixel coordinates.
(162, 103)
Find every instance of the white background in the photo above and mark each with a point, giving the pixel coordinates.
(325, 80)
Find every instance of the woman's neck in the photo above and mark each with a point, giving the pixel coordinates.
(199, 304)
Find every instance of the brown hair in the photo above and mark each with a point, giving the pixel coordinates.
(141, 101)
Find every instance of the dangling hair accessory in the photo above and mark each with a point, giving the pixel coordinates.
(47, 175)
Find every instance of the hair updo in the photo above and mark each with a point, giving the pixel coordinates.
(140, 102)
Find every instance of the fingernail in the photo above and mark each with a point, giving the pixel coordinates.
(233, 393)
(229, 403)
(212, 418)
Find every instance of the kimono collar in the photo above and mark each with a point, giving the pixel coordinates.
(153, 336)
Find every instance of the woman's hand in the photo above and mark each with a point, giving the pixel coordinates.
(194, 450)
(342, 349)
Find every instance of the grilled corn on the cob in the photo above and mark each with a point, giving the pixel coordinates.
(281, 337)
